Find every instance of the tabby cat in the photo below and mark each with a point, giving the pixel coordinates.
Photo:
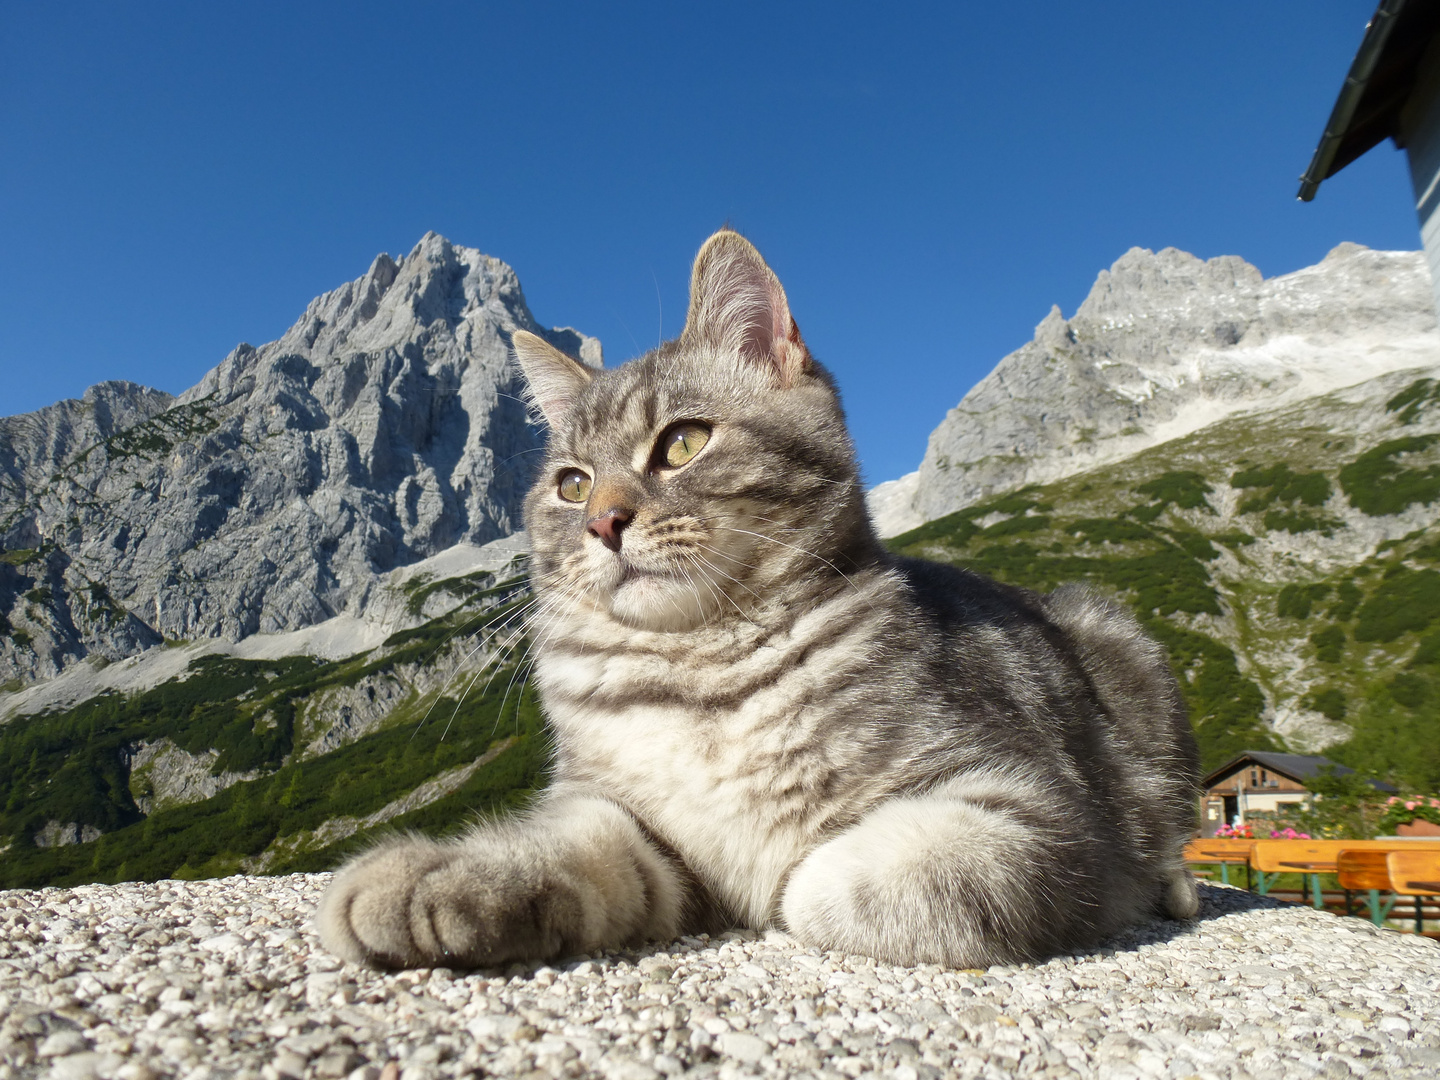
(763, 718)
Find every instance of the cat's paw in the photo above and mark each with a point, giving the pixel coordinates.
(416, 903)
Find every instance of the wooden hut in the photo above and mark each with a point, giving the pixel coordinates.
(1261, 781)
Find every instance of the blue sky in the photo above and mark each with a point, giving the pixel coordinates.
(926, 179)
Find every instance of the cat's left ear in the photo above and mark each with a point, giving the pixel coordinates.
(555, 380)
(738, 306)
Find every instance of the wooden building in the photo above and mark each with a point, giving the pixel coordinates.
(1392, 91)
(1259, 780)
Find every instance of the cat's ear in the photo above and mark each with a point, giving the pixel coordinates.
(738, 306)
(555, 380)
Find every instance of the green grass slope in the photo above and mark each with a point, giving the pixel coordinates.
(74, 766)
(1290, 562)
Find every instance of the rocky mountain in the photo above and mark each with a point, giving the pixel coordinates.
(1252, 464)
(1165, 345)
(1288, 558)
(35, 446)
(384, 427)
(280, 751)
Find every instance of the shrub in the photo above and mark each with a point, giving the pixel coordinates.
(1186, 490)
(1410, 691)
(1295, 601)
(1329, 701)
(1347, 599)
(1329, 644)
(1412, 400)
(1283, 485)
(1377, 484)
(1406, 600)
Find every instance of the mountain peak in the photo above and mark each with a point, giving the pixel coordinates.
(1166, 343)
(384, 426)
(1344, 250)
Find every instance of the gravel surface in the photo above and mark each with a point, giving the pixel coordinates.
(215, 979)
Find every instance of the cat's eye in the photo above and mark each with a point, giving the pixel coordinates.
(682, 442)
(574, 486)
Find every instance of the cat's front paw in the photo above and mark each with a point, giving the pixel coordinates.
(416, 903)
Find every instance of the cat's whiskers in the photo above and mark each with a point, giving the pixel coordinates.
(700, 605)
(527, 664)
(802, 551)
(477, 617)
(494, 629)
(523, 666)
(500, 712)
(722, 573)
(729, 558)
(784, 526)
(461, 664)
(701, 562)
(520, 632)
(496, 662)
(517, 635)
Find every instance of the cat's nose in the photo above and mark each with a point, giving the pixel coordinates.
(608, 525)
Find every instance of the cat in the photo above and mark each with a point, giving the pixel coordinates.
(763, 718)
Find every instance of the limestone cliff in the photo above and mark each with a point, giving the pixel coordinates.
(384, 426)
(1165, 345)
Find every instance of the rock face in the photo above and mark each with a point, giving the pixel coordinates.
(165, 775)
(382, 428)
(34, 446)
(1166, 344)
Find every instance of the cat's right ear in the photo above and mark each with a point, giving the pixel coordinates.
(554, 379)
(737, 305)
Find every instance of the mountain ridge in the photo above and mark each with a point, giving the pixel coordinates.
(386, 425)
(1165, 344)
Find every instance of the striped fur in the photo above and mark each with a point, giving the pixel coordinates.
(763, 718)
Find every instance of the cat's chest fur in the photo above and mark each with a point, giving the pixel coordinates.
(731, 757)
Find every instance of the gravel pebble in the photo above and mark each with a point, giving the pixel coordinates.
(209, 980)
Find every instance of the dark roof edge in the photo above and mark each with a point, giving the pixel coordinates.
(1377, 32)
(1288, 764)
(1268, 759)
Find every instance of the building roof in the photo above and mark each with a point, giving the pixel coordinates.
(1376, 87)
(1298, 767)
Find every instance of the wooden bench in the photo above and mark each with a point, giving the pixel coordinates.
(1309, 858)
(1368, 872)
(1224, 851)
(1415, 873)
(1366, 868)
(1312, 858)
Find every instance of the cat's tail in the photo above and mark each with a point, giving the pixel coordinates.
(1156, 763)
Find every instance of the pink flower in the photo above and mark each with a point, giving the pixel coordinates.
(1410, 805)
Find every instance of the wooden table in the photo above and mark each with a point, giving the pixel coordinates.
(1270, 858)
(1224, 851)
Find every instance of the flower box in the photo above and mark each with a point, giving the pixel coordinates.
(1418, 827)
